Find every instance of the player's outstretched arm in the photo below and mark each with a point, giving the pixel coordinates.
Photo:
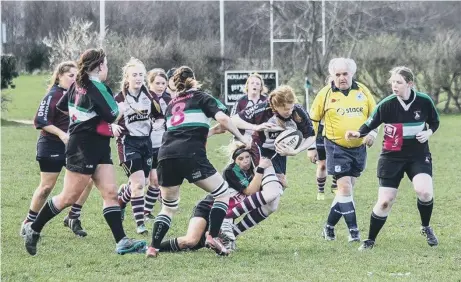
(227, 123)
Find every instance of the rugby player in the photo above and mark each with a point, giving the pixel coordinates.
(410, 118)
(134, 143)
(182, 155)
(91, 109)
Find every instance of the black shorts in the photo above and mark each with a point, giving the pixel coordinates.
(391, 170)
(51, 154)
(135, 154)
(85, 151)
(50, 149)
(133, 147)
(51, 165)
(278, 162)
(343, 161)
(135, 165)
(172, 172)
(155, 158)
(202, 209)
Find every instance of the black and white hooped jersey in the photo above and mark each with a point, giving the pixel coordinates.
(402, 121)
(163, 100)
(136, 120)
(261, 113)
(188, 122)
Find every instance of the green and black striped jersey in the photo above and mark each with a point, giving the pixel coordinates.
(188, 119)
(402, 121)
(89, 107)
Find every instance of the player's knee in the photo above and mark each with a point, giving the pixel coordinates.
(386, 204)
(153, 180)
(345, 185)
(271, 207)
(424, 195)
(189, 242)
(222, 192)
(169, 207)
(45, 190)
(67, 200)
(271, 187)
(322, 167)
(109, 194)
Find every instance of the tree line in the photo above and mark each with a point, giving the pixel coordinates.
(424, 36)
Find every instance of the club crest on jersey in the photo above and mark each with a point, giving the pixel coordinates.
(146, 101)
(390, 130)
(417, 115)
(360, 96)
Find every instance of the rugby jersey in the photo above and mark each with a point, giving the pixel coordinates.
(261, 113)
(136, 120)
(245, 103)
(91, 108)
(163, 100)
(188, 119)
(342, 111)
(47, 114)
(402, 121)
(238, 181)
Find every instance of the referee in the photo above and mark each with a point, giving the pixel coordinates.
(343, 104)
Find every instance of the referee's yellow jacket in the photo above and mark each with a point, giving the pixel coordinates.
(342, 111)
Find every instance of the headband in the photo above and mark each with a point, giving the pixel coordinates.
(238, 152)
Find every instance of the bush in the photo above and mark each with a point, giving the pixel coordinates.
(72, 42)
(9, 72)
(37, 58)
(202, 56)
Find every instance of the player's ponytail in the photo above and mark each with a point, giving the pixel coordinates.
(88, 61)
(184, 80)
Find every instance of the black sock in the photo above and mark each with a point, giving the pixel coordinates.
(46, 214)
(335, 214)
(171, 245)
(113, 217)
(425, 211)
(348, 211)
(376, 223)
(161, 225)
(321, 183)
(217, 214)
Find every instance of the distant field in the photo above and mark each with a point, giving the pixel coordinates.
(26, 97)
(286, 247)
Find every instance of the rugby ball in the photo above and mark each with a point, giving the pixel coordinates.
(290, 137)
